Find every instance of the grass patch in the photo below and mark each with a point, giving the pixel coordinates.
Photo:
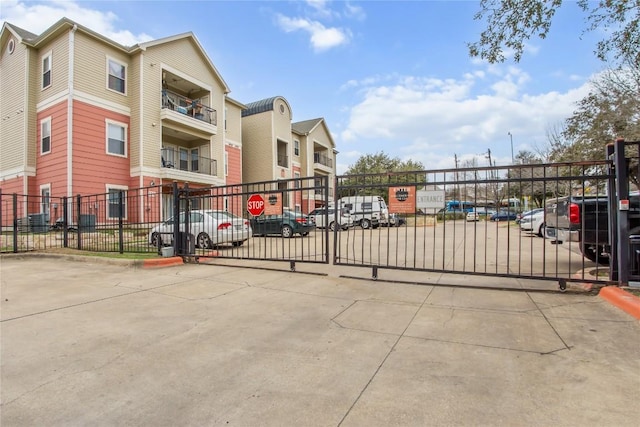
(126, 255)
(633, 291)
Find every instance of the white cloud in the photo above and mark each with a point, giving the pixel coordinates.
(355, 12)
(320, 7)
(37, 17)
(322, 38)
(428, 119)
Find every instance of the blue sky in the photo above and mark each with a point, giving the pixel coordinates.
(391, 76)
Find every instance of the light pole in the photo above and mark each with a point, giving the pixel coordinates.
(511, 138)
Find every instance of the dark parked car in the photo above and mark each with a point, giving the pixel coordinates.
(504, 215)
(394, 220)
(285, 225)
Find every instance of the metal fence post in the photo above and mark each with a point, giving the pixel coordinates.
(622, 191)
(78, 202)
(65, 222)
(15, 223)
(176, 219)
(120, 225)
(613, 219)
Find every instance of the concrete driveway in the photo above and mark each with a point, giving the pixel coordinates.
(103, 344)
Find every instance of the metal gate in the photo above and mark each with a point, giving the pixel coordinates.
(266, 221)
(469, 221)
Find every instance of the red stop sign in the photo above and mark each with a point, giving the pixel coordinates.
(255, 205)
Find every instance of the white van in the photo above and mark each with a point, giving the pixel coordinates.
(366, 211)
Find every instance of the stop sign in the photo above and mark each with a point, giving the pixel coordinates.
(255, 205)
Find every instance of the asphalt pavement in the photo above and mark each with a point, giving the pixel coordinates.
(86, 341)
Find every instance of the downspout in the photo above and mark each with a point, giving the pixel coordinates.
(141, 134)
(70, 114)
(25, 168)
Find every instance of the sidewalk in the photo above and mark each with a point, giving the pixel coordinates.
(112, 344)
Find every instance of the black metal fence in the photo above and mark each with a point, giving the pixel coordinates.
(468, 221)
(266, 221)
(118, 221)
(460, 220)
(213, 221)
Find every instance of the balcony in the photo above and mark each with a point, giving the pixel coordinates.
(283, 161)
(323, 159)
(184, 159)
(186, 110)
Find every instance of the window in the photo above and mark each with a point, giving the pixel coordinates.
(116, 139)
(113, 199)
(296, 148)
(184, 159)
(116, 75)
(226, 163)
(45, 136)
(296, 183)
(46, 71)
(194, 160)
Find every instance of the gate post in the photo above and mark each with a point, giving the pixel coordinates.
(15, 223)
(622, 192)
(78, 224)
(176, 219)
(65, 222)
(120, 225)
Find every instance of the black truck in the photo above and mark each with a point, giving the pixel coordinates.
(585, 219)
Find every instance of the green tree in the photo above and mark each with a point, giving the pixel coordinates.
(371, 174)
(611, 110)
(510, 23)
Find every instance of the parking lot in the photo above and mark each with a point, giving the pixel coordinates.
(483, 247)
(96, 343)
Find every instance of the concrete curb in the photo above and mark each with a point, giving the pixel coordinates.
(132, 263)
(162, 262)
(621, 299)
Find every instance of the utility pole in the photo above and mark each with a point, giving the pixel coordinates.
(511, 138)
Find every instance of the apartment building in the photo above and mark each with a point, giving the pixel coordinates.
(82, 114)
(275, 148)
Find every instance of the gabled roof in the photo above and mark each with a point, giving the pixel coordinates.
(65, 23)
(189, 35)
(261, 106)
(19, 32)
(236, 102)
(306, 127)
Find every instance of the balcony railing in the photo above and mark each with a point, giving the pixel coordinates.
(189, 107)
(323, 160)
(176, 159)
(283, 161)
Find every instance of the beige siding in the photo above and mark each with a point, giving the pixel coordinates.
(33, 93)
(182, 56)
(133, 80)
(12, 92)
(282, 124)
(305, 169)
(234, 122)
(257, 148)
(90, 68)
(59, 48)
